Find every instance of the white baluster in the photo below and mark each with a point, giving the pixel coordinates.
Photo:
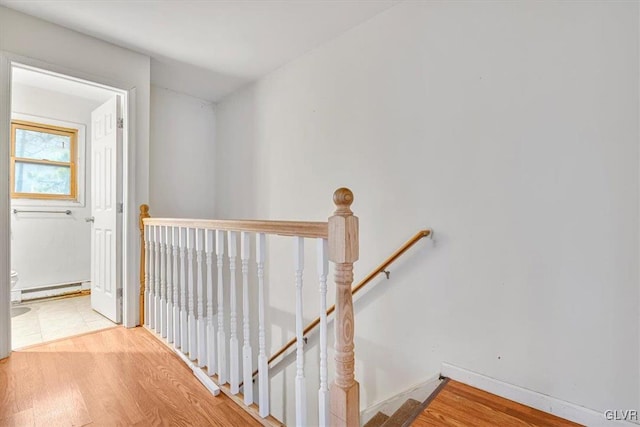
(263, 365)
(222, 346)
(184, 314)
(234, 365)
(158, 316)
(193, 344)
(323, 392)
(301, 401)
(169, 307)
(211, 330)
(163, 282)
(201, 322)
(175, 240)
(247, 362)
(147, 276)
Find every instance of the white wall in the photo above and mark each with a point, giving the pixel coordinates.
(50, 249)
(512, 130)
(182, 160)
(82, 56)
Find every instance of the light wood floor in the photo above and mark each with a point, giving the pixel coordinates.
(115, 377)
(461, 405)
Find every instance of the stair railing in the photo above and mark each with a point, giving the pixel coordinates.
(382, 268)
(177, 268)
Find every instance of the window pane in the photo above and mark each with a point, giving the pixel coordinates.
(37, 145)
(44, 179)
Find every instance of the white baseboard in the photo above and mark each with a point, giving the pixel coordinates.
(388, 406)
(533, 399)
(206, 380)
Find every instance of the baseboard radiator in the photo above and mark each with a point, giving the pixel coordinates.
(27, 294)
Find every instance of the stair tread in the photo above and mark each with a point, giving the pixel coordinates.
(377, 420)
(406, 411)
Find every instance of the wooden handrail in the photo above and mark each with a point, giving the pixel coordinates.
(282, 228)
(381, 268)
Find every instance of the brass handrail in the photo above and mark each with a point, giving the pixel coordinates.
(380, 269)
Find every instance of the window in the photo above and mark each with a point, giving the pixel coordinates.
(43, 162)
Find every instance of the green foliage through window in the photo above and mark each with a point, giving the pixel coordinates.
(43, 161)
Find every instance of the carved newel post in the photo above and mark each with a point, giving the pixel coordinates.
(343, 252)
(144, 213)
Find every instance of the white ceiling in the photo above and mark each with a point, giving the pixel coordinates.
(27, 77)
(209, 48)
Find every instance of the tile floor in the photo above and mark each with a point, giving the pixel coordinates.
(53, 319)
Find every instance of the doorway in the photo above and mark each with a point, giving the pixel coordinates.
(67, 184)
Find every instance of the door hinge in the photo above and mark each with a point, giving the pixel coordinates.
(120, 123)
(120, 207)
(119, 293)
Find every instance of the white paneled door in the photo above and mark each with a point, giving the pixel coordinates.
(106, 194)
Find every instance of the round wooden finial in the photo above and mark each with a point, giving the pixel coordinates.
(343, 198)
(144, 209)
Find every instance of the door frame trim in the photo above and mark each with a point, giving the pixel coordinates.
(129, 222)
